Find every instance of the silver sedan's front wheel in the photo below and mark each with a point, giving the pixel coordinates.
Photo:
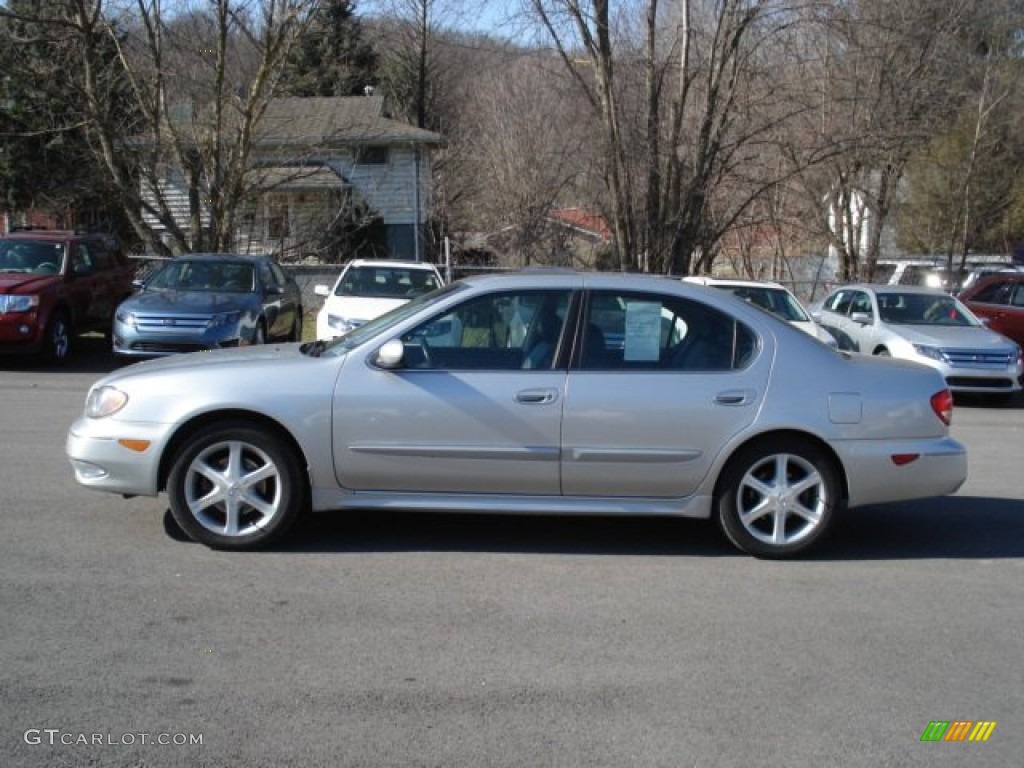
(777, 499)
(233, 486)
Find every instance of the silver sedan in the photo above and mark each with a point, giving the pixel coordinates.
(927, 326)
(530, 393)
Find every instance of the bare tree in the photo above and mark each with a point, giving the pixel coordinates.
(522, 149)
(884, 88)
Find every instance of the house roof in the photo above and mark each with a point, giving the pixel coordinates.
(326, 121)
(588, 222)
(296, 177)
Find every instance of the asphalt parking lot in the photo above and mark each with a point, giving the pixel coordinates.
(403, 640)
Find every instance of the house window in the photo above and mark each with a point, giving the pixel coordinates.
(372, 156)
(277, 217)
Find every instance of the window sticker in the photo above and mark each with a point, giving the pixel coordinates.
(643, 331)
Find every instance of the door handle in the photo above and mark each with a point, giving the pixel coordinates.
(537, 396)
(735, 397)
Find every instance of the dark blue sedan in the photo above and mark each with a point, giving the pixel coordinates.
(208, 301)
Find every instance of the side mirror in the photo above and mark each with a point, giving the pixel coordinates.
(139, 285)
(864, 318)
(390, 355)
(322, 290)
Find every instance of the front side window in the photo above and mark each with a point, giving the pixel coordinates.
(82, 263)
(839, 302)
(636, 331)
(994, 293)
(861, 303)
(502, 331)
(1017, 299)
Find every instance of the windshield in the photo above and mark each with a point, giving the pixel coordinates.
(381, 324)
(385, 282)
(775, 300)
(923, 309)
(38, 257)
(209, 276)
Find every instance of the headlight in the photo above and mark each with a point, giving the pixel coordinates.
(343, 324)
(18, 303)
(127, 318)
(224, 319)
(932, 352)
(104, 401)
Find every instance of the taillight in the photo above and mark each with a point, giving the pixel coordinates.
(942, 404)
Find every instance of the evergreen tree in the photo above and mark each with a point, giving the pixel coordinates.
(331, 58)
(46, 158)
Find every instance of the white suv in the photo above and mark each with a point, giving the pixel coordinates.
(366, 289)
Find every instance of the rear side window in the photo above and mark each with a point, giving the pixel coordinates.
(639, 331)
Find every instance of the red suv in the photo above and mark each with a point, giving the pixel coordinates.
(56, 284)
(999, 300)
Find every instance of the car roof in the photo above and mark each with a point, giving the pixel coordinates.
(53, 234)
(424, 265)
(733, 283)
(887, 288)
(241, 257)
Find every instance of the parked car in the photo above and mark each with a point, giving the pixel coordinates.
(998, 300)
(209, 301)
(366, 289)
(772, 297)
(705, 407)
(928, 326)
(55, 285)
(932, 273)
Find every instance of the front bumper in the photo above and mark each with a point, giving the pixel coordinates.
(102, 459)
(19, 333)
(978, 378)
(129, 342)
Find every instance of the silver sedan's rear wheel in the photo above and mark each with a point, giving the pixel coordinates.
(777, 498)
(234, 486)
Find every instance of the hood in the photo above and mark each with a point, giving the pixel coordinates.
(244, 359)
(185, 302)
(954, 337)
(22, 284)
(360, 308)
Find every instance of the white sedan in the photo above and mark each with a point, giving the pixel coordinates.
(927, 326)
(368, 288)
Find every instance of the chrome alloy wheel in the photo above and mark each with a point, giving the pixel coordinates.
(777, 495)
(782, 499)
(233, 488)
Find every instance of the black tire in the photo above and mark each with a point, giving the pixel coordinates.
(243, 512)
(776, 498)
(882, 352)
(57, 340)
